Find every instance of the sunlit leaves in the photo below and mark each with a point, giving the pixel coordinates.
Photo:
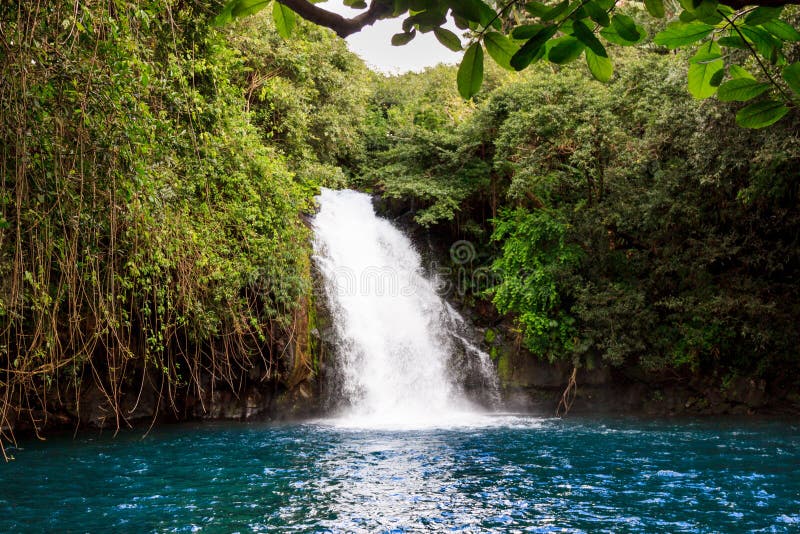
(476, 11)
(736, 71)
(500, 48)
(284, 19)
(470, 72)
(625, 28)
(588, 38)
(703, 68)
(761, 114)
(680, 34)
(600, 66)
(242, 8)
(239, 8)
(703, 10)
(766, 45)
(546, 13)
(597, 12)
(516, 34)
(781, 30)
(741, 90)
(623, 31)
(526, 31)
(760, 15)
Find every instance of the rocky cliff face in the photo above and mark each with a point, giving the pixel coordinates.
(532, 385)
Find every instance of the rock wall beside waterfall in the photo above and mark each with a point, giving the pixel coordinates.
(529, 384)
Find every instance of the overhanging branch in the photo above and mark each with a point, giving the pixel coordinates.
(741, 4)
(379, 9)
(342, 26)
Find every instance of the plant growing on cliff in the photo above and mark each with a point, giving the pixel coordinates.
(151, 232)
(534, 263)
(678, 225)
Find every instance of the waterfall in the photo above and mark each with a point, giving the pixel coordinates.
(401, 350)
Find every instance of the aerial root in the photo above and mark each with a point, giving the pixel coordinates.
(568, 397)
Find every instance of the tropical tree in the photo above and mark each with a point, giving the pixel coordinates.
(739, 49)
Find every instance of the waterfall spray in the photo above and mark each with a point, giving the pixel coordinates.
(396, 337)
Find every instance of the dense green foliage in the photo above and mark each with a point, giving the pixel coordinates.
(627, 223)
(154, 173)
(516, 34)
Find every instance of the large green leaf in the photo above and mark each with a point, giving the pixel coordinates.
(532, 47)
(242, 8)
(766, 44)
(550, 13)
(782, 30)
(761, 114)
(588, 38)
(707, 53)
(597, 12)
(470, 72)
(655, 8)
(600, 66)
(734, 40)
(476, 11)
(680, 34)
(565, 49)
(501, 48)
(284, 19)
(399, 39)
(537, 9)
(226, 15)
(791, 74)
(741, 90)
(447, 38)
(610, 34)
(704, 65)
(739, 72)
(625, 27)
(760, 15)
(526, 31)
(701, 9)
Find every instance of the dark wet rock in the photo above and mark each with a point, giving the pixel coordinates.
(747, 391)
(96, 409)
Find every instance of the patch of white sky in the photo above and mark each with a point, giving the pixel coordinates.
(373, 44)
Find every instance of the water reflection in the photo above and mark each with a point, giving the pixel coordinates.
(498, 474)
(388, 481)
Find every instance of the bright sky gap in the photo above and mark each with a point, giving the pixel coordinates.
(373, 45)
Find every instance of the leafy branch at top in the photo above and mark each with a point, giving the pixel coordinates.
(516, 34)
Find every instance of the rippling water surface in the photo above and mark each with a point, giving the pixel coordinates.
(499, 473)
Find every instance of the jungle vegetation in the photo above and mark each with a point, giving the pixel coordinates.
(518, 33)
(626, 223)
(155, 173)
(157, 170)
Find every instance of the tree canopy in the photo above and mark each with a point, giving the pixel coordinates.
(737, 49)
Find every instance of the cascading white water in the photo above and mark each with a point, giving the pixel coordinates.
(395, 335)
